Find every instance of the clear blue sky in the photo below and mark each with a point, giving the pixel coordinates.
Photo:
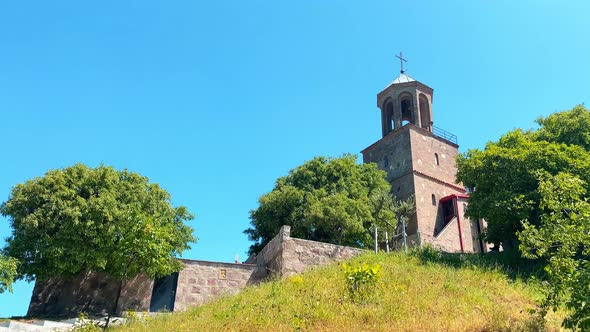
(214, 100)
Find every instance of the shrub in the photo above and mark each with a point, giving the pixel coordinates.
(361, 281)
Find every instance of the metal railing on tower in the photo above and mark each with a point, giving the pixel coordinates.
(444, 134)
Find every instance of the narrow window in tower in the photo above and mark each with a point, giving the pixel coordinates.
(385, 162)
(433, 200)
(436, 161)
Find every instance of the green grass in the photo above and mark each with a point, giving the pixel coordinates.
(423, 291)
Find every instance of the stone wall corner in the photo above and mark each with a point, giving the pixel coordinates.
(285, 232)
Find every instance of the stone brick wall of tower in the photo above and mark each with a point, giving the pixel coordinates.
(428, 211)
(396, 147)
(425, 149)
(412, 169)
(432, 182)
(402, 188)
(432, 229)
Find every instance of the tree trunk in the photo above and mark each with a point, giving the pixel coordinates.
(114, 309)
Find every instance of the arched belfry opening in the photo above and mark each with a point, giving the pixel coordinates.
(425, 118)
(406, 109)
(388, 123)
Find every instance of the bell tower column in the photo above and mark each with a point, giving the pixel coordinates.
(385, 123)
(397, 114)
(416, 110)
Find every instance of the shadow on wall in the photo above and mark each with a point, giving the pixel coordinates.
(87, 292)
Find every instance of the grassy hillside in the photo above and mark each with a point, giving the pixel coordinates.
(424, 291)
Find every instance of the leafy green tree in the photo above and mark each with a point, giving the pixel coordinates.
(563, 237)
(331, 200)
(8, 266)
(570, 127)
(98, 219)
(402, 210)
(505, 173)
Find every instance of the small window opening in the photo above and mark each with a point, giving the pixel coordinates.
(385, 162)
(433, 200)
(436, 160)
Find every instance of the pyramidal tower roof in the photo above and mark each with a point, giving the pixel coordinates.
(402, 78)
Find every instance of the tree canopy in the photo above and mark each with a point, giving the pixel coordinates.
(533, 187)
(331, 200)
(98, 219)
(8, 266)
(506, 174)
(563, 237)
(570, 127)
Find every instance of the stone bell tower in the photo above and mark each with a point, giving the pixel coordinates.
(419, 159)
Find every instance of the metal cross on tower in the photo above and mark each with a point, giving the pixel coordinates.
(401, 61)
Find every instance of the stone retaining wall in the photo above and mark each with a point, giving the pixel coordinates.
(201, 281)
(198, 282)
(285, 255)
(299, 255)
(90, 292)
